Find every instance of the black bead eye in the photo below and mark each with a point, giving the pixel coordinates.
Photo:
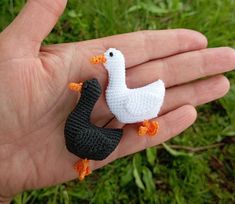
(110, 54)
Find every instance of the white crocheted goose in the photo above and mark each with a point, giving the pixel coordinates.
(131, 105)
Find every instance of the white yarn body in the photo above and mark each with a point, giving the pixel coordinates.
(136, 105)
(132, 105)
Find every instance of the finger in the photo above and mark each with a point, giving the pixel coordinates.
(217, 60)
(170, 125)
(35, 21)
(196, 93)
(143, 46)
(184, 67)
(156, 44)
(188, 67)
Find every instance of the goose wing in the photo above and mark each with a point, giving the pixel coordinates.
(140, 103)
(143, 100)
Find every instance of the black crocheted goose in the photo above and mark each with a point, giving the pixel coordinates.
(84, 139)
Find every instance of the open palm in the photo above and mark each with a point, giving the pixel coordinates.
(35, 100)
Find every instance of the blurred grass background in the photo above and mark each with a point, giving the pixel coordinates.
(198, 166)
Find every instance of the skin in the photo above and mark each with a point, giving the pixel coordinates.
(35, 100)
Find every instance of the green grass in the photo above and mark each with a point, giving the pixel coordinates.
(196, 167)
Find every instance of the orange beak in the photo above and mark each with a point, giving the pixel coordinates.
(98, 59)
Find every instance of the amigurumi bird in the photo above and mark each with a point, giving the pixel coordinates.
(131, 105)
(83, 138)
(128, 105)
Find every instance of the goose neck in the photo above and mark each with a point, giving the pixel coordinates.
(117, 79)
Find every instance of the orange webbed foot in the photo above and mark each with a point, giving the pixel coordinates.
(149, 128)
(82, 168)
(142, 130)
(76, 86)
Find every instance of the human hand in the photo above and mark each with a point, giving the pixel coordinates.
(35, 100)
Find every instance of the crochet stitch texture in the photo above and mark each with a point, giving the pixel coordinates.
(130, 105)
(83, 138)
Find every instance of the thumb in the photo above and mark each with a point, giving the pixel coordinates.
(35, 21)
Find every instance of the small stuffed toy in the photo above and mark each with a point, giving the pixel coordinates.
(128, 105)
(131, 105)
(83, 138)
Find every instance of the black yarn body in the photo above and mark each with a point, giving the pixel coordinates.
(83, 138)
